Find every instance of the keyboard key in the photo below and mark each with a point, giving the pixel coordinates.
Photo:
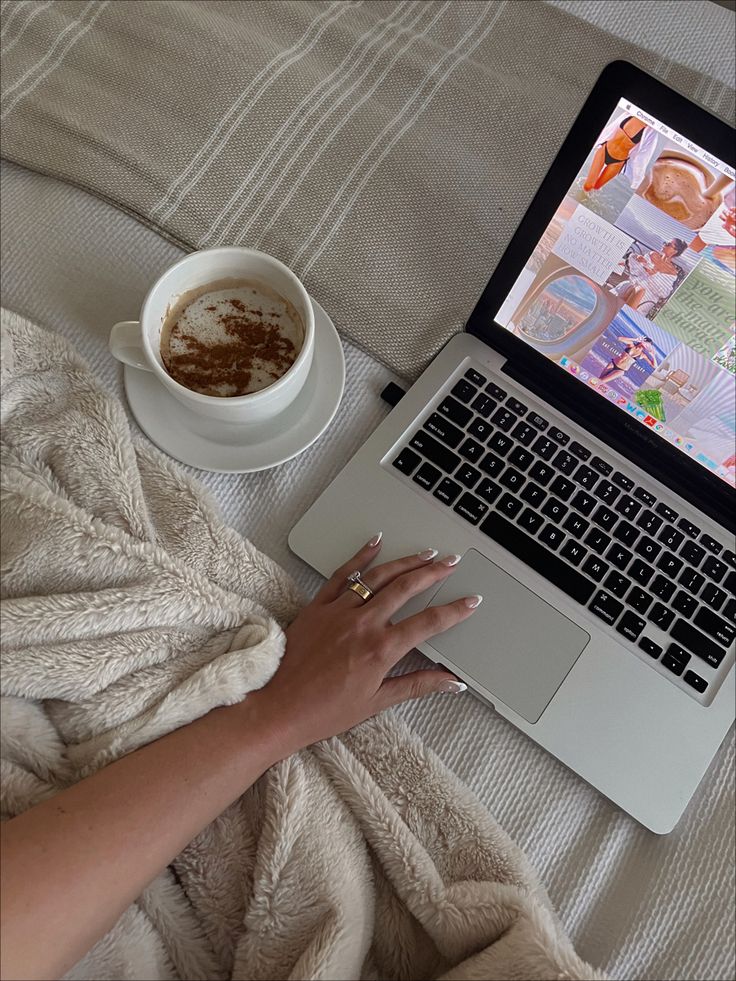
(562, 487)
(483, 404)
(628, 507)
(630, 625)
(447, 491)
(617, 584)
(520, 457)
(601, 466)
(713, 596)
(545, 448)
(661, 616)
(605, 517)
(622, 481)
(685, 603)
(475, 377)
(538, 557)
(530, 521)
(480, 429)
(555, 510)
(649, 499)
(673, 660)
(692, 553)
(606, 607)
(455, 412)
(552, 536)
(669, 564)
(594, 567)
(663, 588)
(533, 494)
(435, 452)
(688, 527)
(586, 477)
(715, 626)
(512, 479)
(649, 522)
(524, 433)
(597, 540)
(648, 549)
(495, 391)
(580, 451)
(504, 419)
(463, 390)
(711, 544)
(691, 580)
(471, 450)
(427, 476)
(542, 473)
(619, 556)
(509, 505)
(687, 635)
(516, 406)
(641, 572)
(639, 599)
(443, 429)
(583, 502)
(666, 512)
(714, 568)
(730, 583)
(565, 462)
(488, 490)
(729, 558)
(537, 421)
(695, 681)
(467, 475)
(729, 611)
(649, 647)
(575, 525)
(406, 461)
(471, 508)
(500, 443)
(492, 464)
(573, 552)
(558, 436)
(607, 491)
(626, 533)
(671, 537)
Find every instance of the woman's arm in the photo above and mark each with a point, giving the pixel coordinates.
(73, 863)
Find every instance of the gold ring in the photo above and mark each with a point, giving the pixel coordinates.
(358, 586)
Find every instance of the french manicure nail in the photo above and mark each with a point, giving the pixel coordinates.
(453, 686)
(426, 554)
(375, 540)
(473, 601)
(449, 560)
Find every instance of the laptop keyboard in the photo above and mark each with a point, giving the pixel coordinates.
(647, 572)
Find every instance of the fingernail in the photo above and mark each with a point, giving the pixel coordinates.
(453, 686)
(449, 560)
(426, 554)
(375, 540)
(473, 601)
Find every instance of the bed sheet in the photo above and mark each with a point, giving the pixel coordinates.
(634, 904)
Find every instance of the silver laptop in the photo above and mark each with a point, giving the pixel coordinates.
(575, 444)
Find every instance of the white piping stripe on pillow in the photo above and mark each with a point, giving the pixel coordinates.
(37, 9)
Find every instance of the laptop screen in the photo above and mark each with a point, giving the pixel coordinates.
(631, 288)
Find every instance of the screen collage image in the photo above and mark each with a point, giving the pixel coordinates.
(632, 286)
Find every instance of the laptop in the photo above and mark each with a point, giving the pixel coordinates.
(575, 444)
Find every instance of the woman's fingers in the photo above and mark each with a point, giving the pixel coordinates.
(393, 691)
(434, 620)
(336, 583)
(381, 576)
(409, 583)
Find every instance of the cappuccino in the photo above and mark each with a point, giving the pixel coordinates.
(230, 338)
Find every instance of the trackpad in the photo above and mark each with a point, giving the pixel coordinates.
(516, 645)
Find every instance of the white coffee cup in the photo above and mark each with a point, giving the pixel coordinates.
(138, 342)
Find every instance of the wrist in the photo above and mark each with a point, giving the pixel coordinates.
(258, 724)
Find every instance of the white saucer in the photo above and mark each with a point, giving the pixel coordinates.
(236, 447)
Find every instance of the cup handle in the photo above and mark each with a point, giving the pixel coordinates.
(126, 345)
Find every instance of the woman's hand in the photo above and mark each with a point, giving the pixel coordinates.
(340, 648)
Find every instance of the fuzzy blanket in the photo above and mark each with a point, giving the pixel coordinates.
(129, 609)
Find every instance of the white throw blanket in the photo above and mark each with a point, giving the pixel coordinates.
(129, 609)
